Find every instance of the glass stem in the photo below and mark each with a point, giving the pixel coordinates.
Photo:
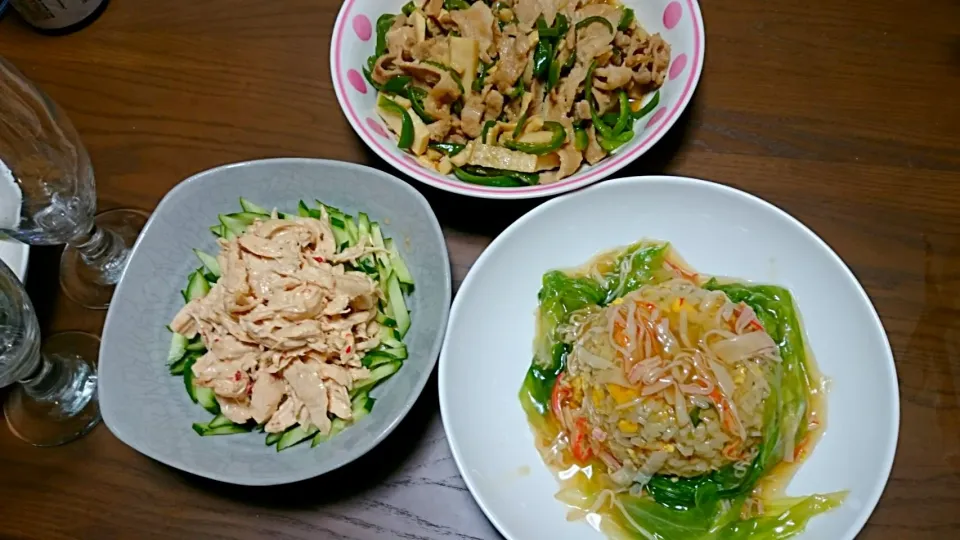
(64, 380)
(104, 252)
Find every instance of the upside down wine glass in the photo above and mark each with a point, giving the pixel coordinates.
(56, 400)
(46, 184)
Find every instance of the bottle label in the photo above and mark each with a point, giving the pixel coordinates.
(55, 14)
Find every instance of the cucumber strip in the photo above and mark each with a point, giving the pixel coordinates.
(196, 345)
(217, 230)
(364, 224)
(178, 347)
(207, 399)
(247, 218)
(218, 421)
(303, 210)
(205, 431)
(234, 227)
(400, 267)
(253, 208)
(176, 368)
(390, 338)
(397, 305)
(336, 426)
(384, 320)
(295, 436)
(197, 286)
(272, 438)
(397, 353)
(188, 379)
(331, 210)
(378, 374)
(362, 404)
(373, 359)
(209, 262)
(352, 230)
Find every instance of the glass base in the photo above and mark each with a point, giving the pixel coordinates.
(87, 286)
(76, 412)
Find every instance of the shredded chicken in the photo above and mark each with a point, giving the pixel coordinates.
(492, 64)
(285, 326)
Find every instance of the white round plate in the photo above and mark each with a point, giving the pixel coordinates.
(719, 231)
(354, 38)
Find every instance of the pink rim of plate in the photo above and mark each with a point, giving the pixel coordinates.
(607, 167)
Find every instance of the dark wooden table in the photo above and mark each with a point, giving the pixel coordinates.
(845, 114)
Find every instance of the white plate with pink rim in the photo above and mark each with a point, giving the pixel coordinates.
(678, 21)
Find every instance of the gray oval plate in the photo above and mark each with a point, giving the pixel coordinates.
(148, 409)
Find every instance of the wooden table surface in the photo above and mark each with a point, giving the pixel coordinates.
(845, 114)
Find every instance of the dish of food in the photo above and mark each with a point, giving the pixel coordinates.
(518, 93)
(149, 410)
(384, 74)
(288, 328)
(694, 404)
(672, 404)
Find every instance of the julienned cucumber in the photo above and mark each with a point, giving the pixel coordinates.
(362, 404)
(209, 262)
(377, 374)
(197, 286)
(294, 436)
(385, 266)
(398, 307)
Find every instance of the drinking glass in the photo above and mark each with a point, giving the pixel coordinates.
(46, 184)
(56, 400)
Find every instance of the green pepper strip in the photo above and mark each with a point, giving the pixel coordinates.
(625, 115)
(481, 76)
(486, 128)
(625, 20)
(408, 8)
(369, 77)
(492, 181)
(520, 122)
(416, 95)
(451, 5)
(448, 148)
(580, 139)
(406, 129)
(453, 73)
(553, 75)
(595, 19)
(651, 105)
(541, 59)
(612, 143)
(397, 84)
(559, 137)
(527, 178)
(383, 26)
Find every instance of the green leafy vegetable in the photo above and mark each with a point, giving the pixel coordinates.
(625, 20)
(639, 264)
